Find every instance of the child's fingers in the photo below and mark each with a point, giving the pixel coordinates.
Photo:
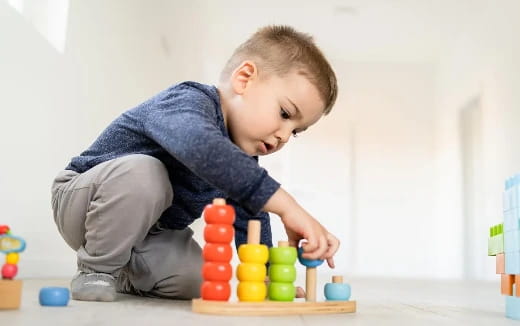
(332, 245)
(323, 246)
(310, 245)
(319, 250)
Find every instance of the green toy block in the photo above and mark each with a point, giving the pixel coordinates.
(496, 239)
(496, 245)
(496, 230)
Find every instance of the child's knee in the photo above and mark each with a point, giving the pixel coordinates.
(146, 179)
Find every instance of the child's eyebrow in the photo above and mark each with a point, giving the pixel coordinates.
(296, 107)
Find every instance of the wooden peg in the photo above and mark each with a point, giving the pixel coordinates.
(253, 232)
(283, 243)
(219, 201)
(310, 284)
(337, 279)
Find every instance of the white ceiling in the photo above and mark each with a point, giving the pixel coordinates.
(354, 30)
(351, 30)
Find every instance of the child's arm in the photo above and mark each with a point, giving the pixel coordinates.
(321, 244)
(190, 134)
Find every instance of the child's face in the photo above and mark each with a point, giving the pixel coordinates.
(268, 111)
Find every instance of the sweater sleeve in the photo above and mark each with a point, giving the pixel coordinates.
(241, 220)
(188, 130)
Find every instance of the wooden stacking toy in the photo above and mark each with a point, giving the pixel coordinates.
(10, 289)
(217, 253)
(254, 297)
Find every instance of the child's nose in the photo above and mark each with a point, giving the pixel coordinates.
(284, 134)
(283, 138)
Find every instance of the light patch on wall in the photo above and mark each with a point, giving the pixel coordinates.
(49, 18)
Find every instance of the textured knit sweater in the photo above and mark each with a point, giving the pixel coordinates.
(184, 128)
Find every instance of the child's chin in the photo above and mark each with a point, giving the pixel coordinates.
(251, 153)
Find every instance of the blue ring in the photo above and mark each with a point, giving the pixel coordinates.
(308, 262)
(54, 296)
(10, 237)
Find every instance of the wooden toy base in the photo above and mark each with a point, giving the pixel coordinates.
(10, 294)
(267, 308)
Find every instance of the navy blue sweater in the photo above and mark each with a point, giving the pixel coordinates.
(183, 127)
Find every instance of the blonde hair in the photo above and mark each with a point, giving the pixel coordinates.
(282, 49)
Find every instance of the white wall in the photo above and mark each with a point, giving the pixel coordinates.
(483, 62)
(390, 106)
(54, 104)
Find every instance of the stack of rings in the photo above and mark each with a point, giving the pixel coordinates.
(11, 246)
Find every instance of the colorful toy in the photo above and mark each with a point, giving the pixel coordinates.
(251, 273)
(311, 273)
(282, 272)
(10, 289)
(337, 290)
(217, 252)
(54, 296)
(504, 244)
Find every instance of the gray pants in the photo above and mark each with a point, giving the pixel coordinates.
(109, 215)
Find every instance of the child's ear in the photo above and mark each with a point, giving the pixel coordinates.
(243, 75)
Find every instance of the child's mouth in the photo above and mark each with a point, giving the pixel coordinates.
(264, 147)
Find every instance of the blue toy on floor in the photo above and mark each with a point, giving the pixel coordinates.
(54, 296)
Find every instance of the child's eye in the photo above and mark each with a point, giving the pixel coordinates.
(284, 114)
(295, 133)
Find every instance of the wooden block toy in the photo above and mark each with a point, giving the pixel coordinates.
(500, 264)
(506, 284)
(10, 294)
(513, 307)
(512, 262)
(511, 219)
(511, 243)
(10, 289)
(253, 297)
(496, 240)
(504, 243)
(517, 284)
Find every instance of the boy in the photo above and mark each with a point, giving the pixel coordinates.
(126, 203)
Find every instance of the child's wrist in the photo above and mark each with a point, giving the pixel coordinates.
(280, 203)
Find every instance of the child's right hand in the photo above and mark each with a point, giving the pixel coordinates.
(320, 243)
